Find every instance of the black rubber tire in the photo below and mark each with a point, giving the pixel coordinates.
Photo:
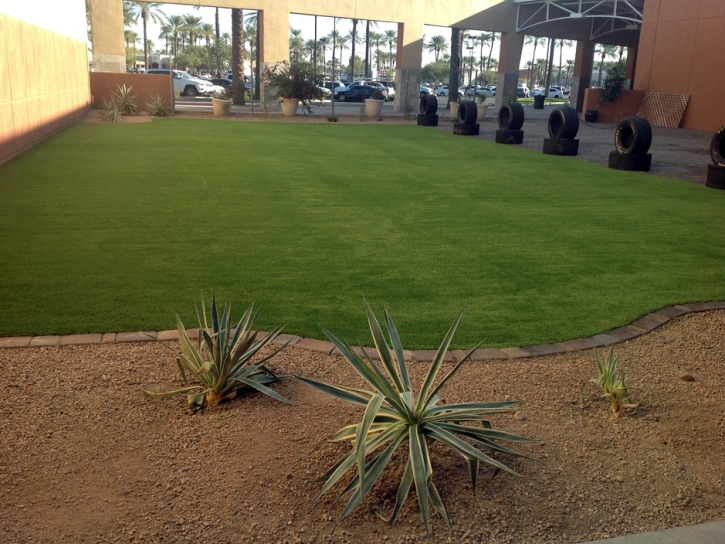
(564, 147)
(341, 98)
(190, 90)
(633, 136)
(563, 123)
(425, 120)
(717, 147)
(715, 176)
(464, 129)
(429, 104)
(509, 136)
(467, 112)
(511, 116)
(631, 163)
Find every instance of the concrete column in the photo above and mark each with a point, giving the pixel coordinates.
(583, 66)
(631, 67)
(407, 67)
(273, 43)
(512, 43)
(109, 48)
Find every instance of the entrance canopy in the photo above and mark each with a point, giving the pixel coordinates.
(606, 16)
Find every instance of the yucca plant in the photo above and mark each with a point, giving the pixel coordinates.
(222, 361)
(110, 112)
(125, 98)
(394, 417)
(611, 383)
(158, 107)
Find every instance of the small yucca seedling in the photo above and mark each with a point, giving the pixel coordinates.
(158, 107)
(222, 361)
(125, 98)
(611, 383)
(394, 418)
(110, 112)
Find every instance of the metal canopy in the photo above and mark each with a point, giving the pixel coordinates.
(606, 15)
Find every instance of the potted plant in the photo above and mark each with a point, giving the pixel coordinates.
(374, 104)
(292, 85)
(221, 103)
(454, 109)
(612, 89)
(481, 108)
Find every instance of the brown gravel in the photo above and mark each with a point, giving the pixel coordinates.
(85, 456)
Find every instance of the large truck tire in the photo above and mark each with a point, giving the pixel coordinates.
(633, 136)
(463, 129)
(563, 123)
(467, 112)
(425, 120)
(509, 136)
(631, 162)
(565, 147)
(717, 147)
(428, 104)
(511, 116)
(715, 176)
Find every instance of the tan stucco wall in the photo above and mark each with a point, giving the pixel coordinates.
(43, 84)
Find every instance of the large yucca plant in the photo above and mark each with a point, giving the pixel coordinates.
(395, 417)
(110, 112)
(222, 361)
(157, 106)
(125, 98)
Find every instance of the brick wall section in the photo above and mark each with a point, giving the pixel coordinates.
(613, 112)
(43, 85)
(145, 85)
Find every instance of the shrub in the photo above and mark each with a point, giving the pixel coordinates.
(293, 82)
(613, 86)
(394, 417)
(222, 361)
(126, 100)
(611, 383)
(110, 112)
(332, 118)
(377, 94)
(157, 106)
(222, 95)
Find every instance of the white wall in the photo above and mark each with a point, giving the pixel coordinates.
(65, 17)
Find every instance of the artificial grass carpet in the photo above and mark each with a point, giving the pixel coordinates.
(117, 227)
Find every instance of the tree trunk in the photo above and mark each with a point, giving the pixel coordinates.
(367, 49)
(533, 62)
(216, 21)
(238, 56)
(550, 68)
(145, 44)
(561, 54)
(455, 68)
(490, 51)
(352, 54)
(601, 65)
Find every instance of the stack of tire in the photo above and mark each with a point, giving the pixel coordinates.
(467, 113)
(510, 121)
(716, 170)
(563, 127)
(428, 109)
(632, 140)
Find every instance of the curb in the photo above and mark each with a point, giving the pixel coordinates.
(637, 328)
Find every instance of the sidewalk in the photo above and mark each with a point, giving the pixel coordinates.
(706, 533)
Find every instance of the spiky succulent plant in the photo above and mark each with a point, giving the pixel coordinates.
(394, 417)
(611, 383)
(222, 361)
(157, 106)
(110, 112)
(125, 98)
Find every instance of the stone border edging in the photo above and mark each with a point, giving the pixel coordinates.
(637, 328)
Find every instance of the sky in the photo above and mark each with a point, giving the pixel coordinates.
(306, 23)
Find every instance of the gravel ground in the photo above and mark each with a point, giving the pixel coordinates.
(87, 457)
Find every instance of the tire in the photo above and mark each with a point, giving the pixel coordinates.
(717, 147)
(342, 98)
(427, 120)
(466, 129)
(467, 112)
(428, 105)
(509, 136)
(190, 90)
(511, 116)
(715, 176)
(563, 123)
(564, 147)
(633, 136)
(640, 162)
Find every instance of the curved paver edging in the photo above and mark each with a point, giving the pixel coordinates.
(637, 328)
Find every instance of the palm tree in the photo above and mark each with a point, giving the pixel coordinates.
(296, 44)
(391, 36)
(562, 44)
(530, 67)
(342, 41)
(308, 48)
(238, 56)
(376, 39)
(146, 10)
(165, 35)
(207, 31)
(482, 39)
(128, 16)
(354, 39)
(175, 25)
(368, 24)
(605, 51)
(322, 45)
(536, 41)
(438, 45)
(130, 37)
(252, 30)
(192, 24)
(494, 37)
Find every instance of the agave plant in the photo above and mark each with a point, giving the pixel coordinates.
(611, 383)
(158, 107)
(394, 417)
(110, 112)
(222, 361)
(125, 98)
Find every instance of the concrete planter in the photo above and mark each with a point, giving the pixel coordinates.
(373, 108)
(454, 111)
(289, 106)
(221, 107)
(481, 112)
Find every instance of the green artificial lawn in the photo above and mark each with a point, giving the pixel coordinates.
(117, 227)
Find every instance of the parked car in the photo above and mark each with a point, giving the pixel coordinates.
(325, 92)
(425, 91)
(553, 92)
(441, 90)
(485, 92)
(387, 90)
(523, 92)
(187, 84)
(226, 84)
(564, 92)
(355, 93)
(332, 85)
